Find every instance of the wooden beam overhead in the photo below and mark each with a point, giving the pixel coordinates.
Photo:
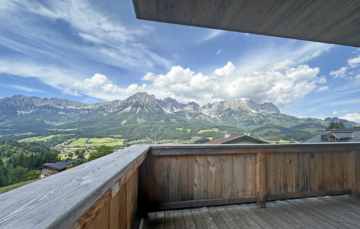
(331, 21)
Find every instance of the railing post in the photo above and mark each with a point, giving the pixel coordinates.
(354, 170)
(261, 180)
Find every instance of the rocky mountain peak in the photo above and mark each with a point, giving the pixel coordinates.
(142, 98)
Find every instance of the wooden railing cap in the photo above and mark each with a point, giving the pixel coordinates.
(59, 200)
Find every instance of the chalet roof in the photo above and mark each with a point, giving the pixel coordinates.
(234, 137)
(61, 165)
(344, 135)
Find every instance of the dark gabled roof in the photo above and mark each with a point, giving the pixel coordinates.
(233, 137)
(223, 139)
(344, 135)
(61, 165)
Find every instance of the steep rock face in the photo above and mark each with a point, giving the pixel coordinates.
(172, 106)
(223, 108)
(140, 101)
(267, 108)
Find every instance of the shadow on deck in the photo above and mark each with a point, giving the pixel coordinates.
(321, 212)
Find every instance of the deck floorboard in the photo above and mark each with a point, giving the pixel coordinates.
(322, 212)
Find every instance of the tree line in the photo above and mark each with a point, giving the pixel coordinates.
(18, 161)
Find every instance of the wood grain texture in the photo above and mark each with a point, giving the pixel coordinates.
(336, 22)
(85, 184)
(261, 180)
(176, 150)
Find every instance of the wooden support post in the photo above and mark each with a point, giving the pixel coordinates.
(261, 180)
(354, 171)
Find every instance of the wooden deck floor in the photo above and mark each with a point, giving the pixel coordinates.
(322, 212)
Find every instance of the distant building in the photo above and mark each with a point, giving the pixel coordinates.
(344, 135)
(237, 139)
(49, 169)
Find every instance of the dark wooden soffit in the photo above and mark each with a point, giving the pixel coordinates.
(330, 21)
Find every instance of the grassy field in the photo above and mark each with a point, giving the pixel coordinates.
(84, 142)
(63, 129)
(17, 185)
(39, 139)
(31, 139)
(65, 155)
(139, 120)
(210, 130)
(179, 129)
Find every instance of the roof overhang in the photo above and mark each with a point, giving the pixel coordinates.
(331, 21)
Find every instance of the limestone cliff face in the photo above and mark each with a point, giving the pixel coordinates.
(23, 105)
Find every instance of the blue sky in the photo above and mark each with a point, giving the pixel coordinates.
(93, 51)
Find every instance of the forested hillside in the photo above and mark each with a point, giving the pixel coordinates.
(18, 161)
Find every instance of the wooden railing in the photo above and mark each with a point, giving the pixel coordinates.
(110, 191)
(99, 194)
(192, 176)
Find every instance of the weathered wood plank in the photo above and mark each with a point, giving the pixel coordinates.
(149, 221)
(174, 177)
(236, 218)
(227, 172)
(159, 222)
(302, 217)
(179, 220)
(227, 218)
(304, 171)
(320, 213)
(199, 220)
(280, 219)
(175, 150)
(217, 218)
(261, 180)
(203, 203)
(315, 172)
(258, 214)
(245, 217)
(327, 166)
(115, 211)
(353, 171)
(189, 220)
(123, 209)
(131, 195)
(169, 220)
(338, 208)
(102, 221)
(295, 195)
(244, 208)
(85, 184)
(209, 221)
(212, 166)
(291, 172)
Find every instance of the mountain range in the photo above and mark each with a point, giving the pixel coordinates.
(152, 117)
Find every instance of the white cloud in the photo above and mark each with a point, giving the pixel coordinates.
(335, 112)
(22, 88)
(341, 73)
(219, 51)
(106, 40)
(355, 117)
(71, 92)
(325, 88)
(281, 66)
(212, 34)
(354, 62)
(322, 80)
(224, 84)
(100, 87)
(316, 53)
(357, 77)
